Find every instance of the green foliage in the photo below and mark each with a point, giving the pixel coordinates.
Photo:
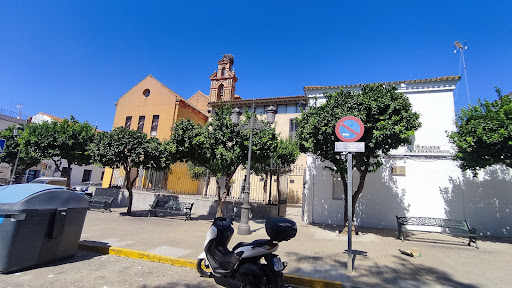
(283, 156)
(68, 139)
(388, 119)
(220, 146)
(387, 116)
(12, 146)
(130, 150)
(484, 134)
(124, 148)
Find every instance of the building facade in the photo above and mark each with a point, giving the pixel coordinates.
(153, 108)
(416, 180)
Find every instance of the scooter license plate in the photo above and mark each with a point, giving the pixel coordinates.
(278, 264)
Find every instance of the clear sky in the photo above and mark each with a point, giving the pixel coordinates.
(79, 57)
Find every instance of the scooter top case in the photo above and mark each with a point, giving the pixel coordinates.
(280, 229)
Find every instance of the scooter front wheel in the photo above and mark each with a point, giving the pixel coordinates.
(203, 268)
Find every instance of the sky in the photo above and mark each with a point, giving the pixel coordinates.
(79, 57)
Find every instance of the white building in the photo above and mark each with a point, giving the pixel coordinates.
(418, 180)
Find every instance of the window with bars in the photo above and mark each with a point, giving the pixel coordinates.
(87, 175)
(154, 125)
(293, 127)
(128, 122)
(140, 125)
(337, 187)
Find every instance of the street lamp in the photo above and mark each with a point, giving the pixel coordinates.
(244, 228)
(15, 133)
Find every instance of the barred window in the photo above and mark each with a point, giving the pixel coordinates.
(154, 125)
(128, 122)
(140, 125)
(337, 187)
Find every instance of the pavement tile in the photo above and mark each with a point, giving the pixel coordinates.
(318, 251)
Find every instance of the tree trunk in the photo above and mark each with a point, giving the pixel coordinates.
(207, 184)
(129, 187)
(357, 193)
(219, 198)
(68, 176)
(265, 186)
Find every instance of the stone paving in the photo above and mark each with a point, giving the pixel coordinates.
(318, 251)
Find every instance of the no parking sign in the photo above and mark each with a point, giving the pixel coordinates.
(349, 129)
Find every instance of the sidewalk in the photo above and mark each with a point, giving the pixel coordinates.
(318, 251)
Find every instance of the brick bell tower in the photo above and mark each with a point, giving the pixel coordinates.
(223, 80)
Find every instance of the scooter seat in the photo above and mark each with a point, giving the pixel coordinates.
(255, 243)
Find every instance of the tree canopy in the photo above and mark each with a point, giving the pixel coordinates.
(389, 123)
(220, 146)
(130, 150)
(484, 134)
(12, 146)
(66, 140)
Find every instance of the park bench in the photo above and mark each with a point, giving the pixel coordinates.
(171, 205)
(101, 202)
(448, 226)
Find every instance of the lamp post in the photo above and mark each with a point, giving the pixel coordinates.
(15, 133)
(244, 228)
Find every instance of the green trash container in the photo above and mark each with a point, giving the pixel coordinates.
(39, 224)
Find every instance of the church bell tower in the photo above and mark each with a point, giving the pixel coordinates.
(223, 80)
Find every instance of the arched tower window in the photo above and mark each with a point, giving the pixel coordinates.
(223, 72)
(220, 92)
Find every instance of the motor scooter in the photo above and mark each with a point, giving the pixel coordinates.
(242, 266)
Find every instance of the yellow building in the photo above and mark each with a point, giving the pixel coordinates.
(153, 108)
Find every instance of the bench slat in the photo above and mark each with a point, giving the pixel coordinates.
(171, 206)
(420, 224)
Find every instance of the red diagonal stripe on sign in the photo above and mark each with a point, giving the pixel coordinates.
(350, 129)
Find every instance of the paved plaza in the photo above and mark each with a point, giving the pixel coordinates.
(319, 250)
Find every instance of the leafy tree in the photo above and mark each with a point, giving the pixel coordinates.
(389, 122)
(66, 140)
(484, 134)
(220, 147)
(279, 163)
(130, 150)
(12, 146)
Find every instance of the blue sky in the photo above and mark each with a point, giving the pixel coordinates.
(78, 57)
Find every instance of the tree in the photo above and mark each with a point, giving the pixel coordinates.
(389, 122)
(484, 134)
(12, 146)
(279, 163)
(66, 140)
(130, 150)
(220, 146)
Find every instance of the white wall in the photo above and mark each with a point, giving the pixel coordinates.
(433, 185)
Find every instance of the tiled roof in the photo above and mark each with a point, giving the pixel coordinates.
(52, 117)
(273, 100)
(438, 79)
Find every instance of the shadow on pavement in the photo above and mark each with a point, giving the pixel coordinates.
(177, 284)
(79, 256)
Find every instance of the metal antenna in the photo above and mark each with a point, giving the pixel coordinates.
(19, 105)
(462, 62)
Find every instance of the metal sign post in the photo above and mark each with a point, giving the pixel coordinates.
(349, 211)
(349, 129)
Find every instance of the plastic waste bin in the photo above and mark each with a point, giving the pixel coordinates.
(39, 224)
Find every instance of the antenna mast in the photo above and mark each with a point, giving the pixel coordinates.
(461, 48)
(19, 105)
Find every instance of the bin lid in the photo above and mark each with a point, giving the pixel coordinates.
(17, 192)
(39, 196)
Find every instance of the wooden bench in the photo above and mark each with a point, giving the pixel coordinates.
(171, 205)
(101, 202)
(449, 226)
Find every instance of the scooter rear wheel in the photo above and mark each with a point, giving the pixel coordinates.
(204, 268)
(274, 278)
